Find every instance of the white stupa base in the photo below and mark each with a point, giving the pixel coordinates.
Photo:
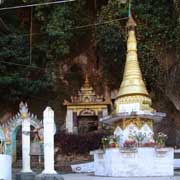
(143, 162)
(5, 167)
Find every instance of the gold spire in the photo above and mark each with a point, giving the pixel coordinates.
(131, 23)
(86, 89)
(86, 82)
(133, 89)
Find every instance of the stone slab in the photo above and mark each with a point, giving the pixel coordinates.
(25, 176)
(83, 168)
(49, 177)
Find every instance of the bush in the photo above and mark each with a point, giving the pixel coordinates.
(78, 144)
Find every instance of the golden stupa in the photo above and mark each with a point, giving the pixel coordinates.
(132, 89)
(133, 103)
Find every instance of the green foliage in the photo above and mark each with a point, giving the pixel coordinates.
(58, 36)
(21, 78)
(18, 78)
(177, 28)
(110, 43)
(156, 35)
(15, 88)
(59, 24)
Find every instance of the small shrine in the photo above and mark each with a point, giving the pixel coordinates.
(85, 110)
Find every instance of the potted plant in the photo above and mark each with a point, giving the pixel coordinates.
(160, 139)
(105, 142)
(110, 142)
(139, 138)
(129, 146)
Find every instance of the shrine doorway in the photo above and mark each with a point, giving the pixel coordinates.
(87, 124)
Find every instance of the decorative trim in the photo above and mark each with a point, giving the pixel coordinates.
(138, 122)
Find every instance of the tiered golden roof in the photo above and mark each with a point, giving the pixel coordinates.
(133, 89)
(86, 95)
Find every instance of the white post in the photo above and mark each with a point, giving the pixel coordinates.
(105, 112)
(26, 164)
(69, 121)
(49, 130)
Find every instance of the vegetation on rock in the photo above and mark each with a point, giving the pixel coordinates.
(60, 33)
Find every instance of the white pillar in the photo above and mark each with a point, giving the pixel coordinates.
(105, 112)
(69, 121)
(26, 164)
(49, 131)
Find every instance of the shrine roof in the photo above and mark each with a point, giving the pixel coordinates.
(67, 103)
(87, 97)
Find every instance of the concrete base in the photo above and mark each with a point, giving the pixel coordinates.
(49, 177)
(25, 176)
(145, 161)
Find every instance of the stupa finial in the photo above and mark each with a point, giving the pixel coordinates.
(129, 9)
(131, 22)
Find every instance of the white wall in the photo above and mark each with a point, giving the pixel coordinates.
(5, 167)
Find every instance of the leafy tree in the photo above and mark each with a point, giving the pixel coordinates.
(54, 38)
(59, 24)
(18, 78)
